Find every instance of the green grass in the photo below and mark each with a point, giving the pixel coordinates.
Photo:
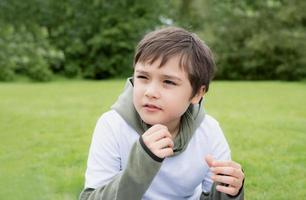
(45, 131)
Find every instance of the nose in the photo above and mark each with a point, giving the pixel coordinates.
(152, 91)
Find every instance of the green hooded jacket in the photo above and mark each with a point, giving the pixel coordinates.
(143, 165)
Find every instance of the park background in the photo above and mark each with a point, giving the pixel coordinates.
(63, 63)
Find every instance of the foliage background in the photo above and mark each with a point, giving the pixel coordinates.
(95, 39)
(45, 128)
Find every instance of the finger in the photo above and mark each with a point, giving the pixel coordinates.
(162, 133)
(225, 163)
(227, 190)
(229, 171)
(232, 181)
(154, 128)
(163, 143)
(166, 152)
(209, 160)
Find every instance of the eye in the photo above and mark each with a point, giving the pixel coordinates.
(168, 82)
(141, 77)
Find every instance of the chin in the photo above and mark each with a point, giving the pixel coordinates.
(150, 121)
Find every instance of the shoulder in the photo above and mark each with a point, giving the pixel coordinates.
(210, 129)
(212, 135)
(111, 116)
(111, 119)
(210, 123)
(111, 123)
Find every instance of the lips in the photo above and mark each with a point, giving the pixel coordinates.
(151, 107)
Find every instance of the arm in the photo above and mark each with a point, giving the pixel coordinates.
(230, 182)
(227, 175)
(144, 162)
(104, 177)
(214, 194)
(132, 182)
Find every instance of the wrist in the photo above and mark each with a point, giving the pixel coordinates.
(148, 151)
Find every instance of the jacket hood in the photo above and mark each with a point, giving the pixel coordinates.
(190, 120)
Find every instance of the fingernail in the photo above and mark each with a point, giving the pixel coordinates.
(218, 187)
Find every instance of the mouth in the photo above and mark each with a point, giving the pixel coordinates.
(151, 107)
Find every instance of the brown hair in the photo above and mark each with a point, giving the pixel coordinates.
(196, 57)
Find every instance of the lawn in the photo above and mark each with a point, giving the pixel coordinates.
(45, 131)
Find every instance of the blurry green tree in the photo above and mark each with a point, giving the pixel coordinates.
(95, 39)
(256, 40)
(91, 38)
(27, 51)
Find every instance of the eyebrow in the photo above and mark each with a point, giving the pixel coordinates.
(141, 72)
(172, 78)
(163, 75)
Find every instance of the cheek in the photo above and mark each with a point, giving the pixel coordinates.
(137, 94)
(178, 104)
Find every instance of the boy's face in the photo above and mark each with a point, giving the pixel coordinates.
(162, 95)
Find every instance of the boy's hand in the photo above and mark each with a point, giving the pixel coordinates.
(228, 173)
(158, 140)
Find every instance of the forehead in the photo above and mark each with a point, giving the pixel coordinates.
(177, 61)
(173, 66)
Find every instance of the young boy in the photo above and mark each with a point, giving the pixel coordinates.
(156, 142)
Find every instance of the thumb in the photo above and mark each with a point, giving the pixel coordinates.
(209, 160)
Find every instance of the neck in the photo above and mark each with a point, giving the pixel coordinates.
(174, 128)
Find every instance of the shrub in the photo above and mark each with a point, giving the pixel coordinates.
(26, 51)
(260, 39)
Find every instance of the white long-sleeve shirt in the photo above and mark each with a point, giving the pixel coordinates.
(184, 176)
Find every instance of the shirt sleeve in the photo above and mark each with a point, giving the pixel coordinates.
(104, 157)
(219, 149)
(104, 177)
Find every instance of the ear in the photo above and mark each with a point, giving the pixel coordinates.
(197, 97)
